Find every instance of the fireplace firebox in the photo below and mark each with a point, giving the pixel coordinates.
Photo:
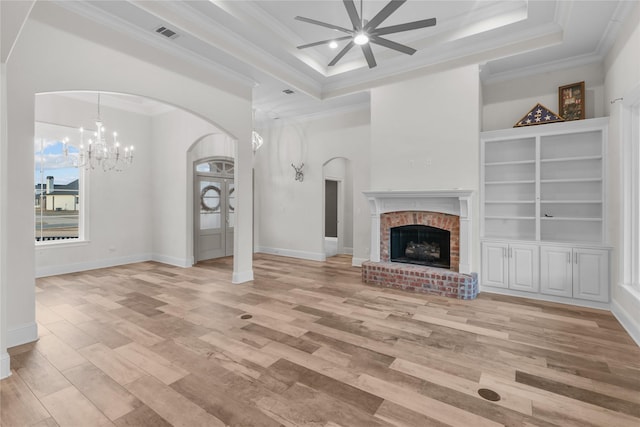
(421, 244)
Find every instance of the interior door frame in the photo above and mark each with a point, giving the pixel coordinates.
(339, 207)
(196, 201)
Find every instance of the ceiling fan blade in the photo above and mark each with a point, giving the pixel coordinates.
(391, 7)
(304, 46)
(392, 45)
(368, 54)
(323, 24)
(405, 27)
(353, 14)
(342, 53)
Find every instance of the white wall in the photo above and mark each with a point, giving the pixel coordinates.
(47, 59)
(622, 67)
(505, 103)
(424, 136)
(289, 214)
(176, 133)
(118, 229)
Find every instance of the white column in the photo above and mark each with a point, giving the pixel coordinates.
(465, 234)
(374, 251)
(243, 232)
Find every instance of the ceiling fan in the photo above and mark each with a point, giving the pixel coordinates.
(365, 32)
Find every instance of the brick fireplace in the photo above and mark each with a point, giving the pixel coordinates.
(448, 210)
(438, 220)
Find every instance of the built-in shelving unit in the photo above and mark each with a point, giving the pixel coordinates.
(543, 185)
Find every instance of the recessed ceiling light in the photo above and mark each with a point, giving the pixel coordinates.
(333, 44)
(361, 38)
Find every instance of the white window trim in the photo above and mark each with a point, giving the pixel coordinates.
(630, 171)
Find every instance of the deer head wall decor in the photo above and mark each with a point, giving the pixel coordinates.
(299, 173)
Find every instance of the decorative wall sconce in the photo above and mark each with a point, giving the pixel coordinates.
(299, 173)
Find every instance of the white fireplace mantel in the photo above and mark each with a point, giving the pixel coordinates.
(452, 202)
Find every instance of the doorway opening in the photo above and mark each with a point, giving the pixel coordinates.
(214, 208)
(331, 217)
(338, 207)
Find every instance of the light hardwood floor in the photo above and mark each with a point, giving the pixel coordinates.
(154, 345)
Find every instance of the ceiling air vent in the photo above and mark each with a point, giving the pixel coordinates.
(170, 34)
(288, 91)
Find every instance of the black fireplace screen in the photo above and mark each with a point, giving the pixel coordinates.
(420, 244)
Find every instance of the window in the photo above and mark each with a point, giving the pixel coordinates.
(58, 199)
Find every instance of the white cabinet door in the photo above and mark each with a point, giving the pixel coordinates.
(591, 274)
(494, 265)
(524, 268)
(556, 272)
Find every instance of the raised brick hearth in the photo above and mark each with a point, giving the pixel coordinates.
(444, 209)
(418, 278)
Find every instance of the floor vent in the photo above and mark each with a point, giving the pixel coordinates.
(487, 394)
(168, 33)
(246, 316)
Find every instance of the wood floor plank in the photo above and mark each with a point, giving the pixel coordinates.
(149, 344)
(60, 354)
(171, 405)
(69, 407)
(565, 409)
(151, 363)
(143, 416)
(421, 404)
(511, 401)
(400, 416)
(18, 405)
(220, 403)
(38, 373)
(239, 349)
(112, 364)
(106, 394)
(71, 334)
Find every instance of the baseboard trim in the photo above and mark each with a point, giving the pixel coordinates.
(311, 256)
(347, 251)
(22, 334)
(170, 260)
(549, 298)
(357, 262)
(5, 365)
(627, 321)
(90, 265)
(242, 276)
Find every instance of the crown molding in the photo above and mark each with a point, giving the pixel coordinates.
(547, 67)
(93, 13)
(613, 29)
(203, 28)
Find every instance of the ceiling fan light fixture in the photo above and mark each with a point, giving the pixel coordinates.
(365, 32)
(361, 38)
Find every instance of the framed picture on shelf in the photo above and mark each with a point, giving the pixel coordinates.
(571, 101)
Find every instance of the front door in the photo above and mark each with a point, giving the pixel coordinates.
(215, 214)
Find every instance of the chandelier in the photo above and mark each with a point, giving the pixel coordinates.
(100, 153)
